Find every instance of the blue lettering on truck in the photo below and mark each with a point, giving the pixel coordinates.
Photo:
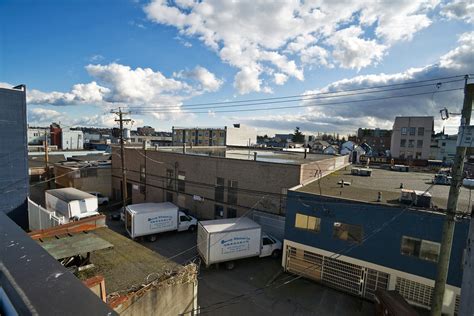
(158, 222)
(235, 244)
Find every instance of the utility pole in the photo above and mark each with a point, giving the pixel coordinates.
(449, 221)
(46, 159)
(121, 120)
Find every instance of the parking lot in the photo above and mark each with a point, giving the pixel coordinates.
(256, 286)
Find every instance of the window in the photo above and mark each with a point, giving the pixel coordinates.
(183, 218)
(351, 233)
(181, 181)
(169, 197)
(231, 212)
(267, 241)
(232, 192)
(411, 143)
(443, 144)
(421, 131)
(419, 143)
(403, 142)
(404, 130)
(412, 131)
(423, 249)
(218, 211)
(219, 190)
(142, 173)
(311, 223)
(143, 189)
(169, 178)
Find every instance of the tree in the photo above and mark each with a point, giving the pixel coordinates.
(297, 137)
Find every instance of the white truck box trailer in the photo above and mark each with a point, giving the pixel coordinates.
(71, 203)
(149, 219)
(230, 239)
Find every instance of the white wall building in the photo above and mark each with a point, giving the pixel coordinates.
(36, 135)
(239, 135)
(72, 140)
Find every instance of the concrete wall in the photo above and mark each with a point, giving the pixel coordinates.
(240, 136)
(401, 123)
(170, 298)
(84, 180)
(13, 155)
(72, 140)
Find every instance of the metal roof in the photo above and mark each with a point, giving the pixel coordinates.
(70, 194)
(229, 224)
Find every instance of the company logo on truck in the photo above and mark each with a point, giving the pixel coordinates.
(161, 221)
(235, 244)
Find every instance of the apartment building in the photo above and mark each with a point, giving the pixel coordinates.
(198, 136)
(411, 137)
(360, 238)
(378, 139)
(217, 183)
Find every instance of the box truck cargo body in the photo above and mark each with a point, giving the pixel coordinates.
(146, 219)
(71, 203)
(233, 238)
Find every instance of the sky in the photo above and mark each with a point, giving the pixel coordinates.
(82, 59)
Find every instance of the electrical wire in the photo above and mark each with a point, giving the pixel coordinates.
(331, 92)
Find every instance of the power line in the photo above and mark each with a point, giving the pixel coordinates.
(329, 92)
(298, 106)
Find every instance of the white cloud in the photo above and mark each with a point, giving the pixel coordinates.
(459, 9)
(346, 118)
(280, 78)
(207, 80)
(253, 35)
(351, 51)
(117, 84)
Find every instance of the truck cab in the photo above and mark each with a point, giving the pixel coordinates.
(186, 222)
(270, 246)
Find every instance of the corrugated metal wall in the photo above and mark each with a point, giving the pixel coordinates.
(13, 155)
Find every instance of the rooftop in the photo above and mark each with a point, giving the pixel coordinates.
(274, 156)
(70, 194)
(365, 189)
(126, 264)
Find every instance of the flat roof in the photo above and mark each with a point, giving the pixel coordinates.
(224, 224)
(72, 245)
(126, 264)
(70, 194)
(275, 156)
(151, 207)
(365, 189)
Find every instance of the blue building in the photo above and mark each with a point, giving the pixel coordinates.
(344, 238)
(13, 155)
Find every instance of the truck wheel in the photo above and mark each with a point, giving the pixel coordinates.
(230, 265)
(276, 253)
(151, 238)
(192, 228)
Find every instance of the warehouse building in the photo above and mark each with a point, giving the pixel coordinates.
(352, 233)
(217, 183)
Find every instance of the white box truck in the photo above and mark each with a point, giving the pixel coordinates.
(71, 203)
(149, 219)
(225, 240)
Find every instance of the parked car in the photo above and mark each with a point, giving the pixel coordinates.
(101, 199)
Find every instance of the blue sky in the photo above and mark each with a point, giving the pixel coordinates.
(211, 51)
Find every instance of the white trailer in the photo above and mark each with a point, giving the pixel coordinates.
(229, 239)
(71, 203)
(149, 219)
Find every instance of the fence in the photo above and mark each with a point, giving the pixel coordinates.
(41, 218)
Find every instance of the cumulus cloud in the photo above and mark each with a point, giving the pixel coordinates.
(346, 118)
(207, 80)
(459, 9)
(252, 35)
(115, 84)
